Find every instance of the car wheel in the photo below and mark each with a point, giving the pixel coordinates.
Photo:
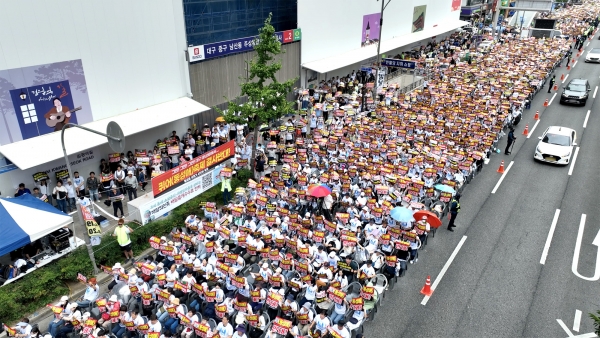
(584, 102)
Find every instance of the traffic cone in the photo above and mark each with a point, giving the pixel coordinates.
(426, 290)
(526, 131)
(546, 103)
(568, 67)
(501, 169)
(562, 77)
(573, 61)
(537, 115)
(555, 87)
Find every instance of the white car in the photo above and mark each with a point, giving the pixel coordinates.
(593, 55)
(556, 145)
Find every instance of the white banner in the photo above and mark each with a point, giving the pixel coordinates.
(381, 77)
(172, 199)
(196, 53)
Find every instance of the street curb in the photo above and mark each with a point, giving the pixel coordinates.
(102, 279)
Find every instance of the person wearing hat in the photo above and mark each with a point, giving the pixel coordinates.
(289, 308)
(454, 210)
(511, 138)
(58, 321)
(23, 328)
(122, 232)
(117, 269)
(240, 331)
(131, 184)
(171, 323)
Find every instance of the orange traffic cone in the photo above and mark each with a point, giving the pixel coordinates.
(555, 87)
(577, 54)
(426, 290)
(501, 169)
(568, 67)
(573, 61)
(526, 131)
(546, 103)
(562, 77)
(537, 115)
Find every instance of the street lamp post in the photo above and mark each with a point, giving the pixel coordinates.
(383, 6)
(116, 140)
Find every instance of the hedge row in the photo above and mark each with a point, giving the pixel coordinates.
(47, 284)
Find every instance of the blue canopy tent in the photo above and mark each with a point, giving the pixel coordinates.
(25, 219)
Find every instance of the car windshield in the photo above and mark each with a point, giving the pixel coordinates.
(560, 140)
(576, 87)
(595, 51)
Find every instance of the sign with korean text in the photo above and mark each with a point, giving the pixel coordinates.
(191, 170)
(397, 63)
(223, 48)
(91, 225)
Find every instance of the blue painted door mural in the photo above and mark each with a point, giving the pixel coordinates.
(33, 103)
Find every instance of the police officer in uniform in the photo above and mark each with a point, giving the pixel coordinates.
(454, 209)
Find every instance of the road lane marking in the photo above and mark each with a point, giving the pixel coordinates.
(565, 79)
(587, 44)
(549, 239)
(595, 242)
(444, 269)
(595, 91)
(573, 161)
(587, 116)
(575, 64)
(502, 177)
(564, 327)
(552, 99)
(577, 320)
(532, 129)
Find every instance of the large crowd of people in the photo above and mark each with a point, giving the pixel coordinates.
(312, 245)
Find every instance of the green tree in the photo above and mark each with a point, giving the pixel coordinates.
(596, 320)
(267, 97)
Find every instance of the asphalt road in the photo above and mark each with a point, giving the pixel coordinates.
(497, 285)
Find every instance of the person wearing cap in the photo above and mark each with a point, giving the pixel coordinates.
(57, 322)
(91, 293)
(173, 323)
(131, 184)
(23, 328)
(422, 228)
(122, 232)
(117, 269)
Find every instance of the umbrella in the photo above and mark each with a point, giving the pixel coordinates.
(445, 188)
(220, 119)
(432, 218)
(402, 214)
(318, 190)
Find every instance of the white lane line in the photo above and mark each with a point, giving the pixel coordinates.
(552, 99)
(549, 239)
(563, 81)
(587, 44)
(595, 91)
(575, 64)
(502, 178)
(573, 161)
(564, 327)
(587, 116)
(577, 320)
(532, 129)
(439, 277)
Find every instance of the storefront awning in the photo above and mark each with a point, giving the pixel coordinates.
(43, 149)
(358, 55)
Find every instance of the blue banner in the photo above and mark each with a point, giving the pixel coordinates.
(398, 63)
(36, 108)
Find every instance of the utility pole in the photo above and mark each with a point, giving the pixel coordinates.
(116, 140)
(383, 6)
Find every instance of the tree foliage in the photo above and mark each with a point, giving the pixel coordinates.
(596, 320)
(267, 97)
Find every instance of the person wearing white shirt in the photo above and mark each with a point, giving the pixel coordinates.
(367, 269)
(23, 329)
(224, 329)
(154, 325)
(91, 293)
(172, 276)
(341, 330)
(320, 324)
